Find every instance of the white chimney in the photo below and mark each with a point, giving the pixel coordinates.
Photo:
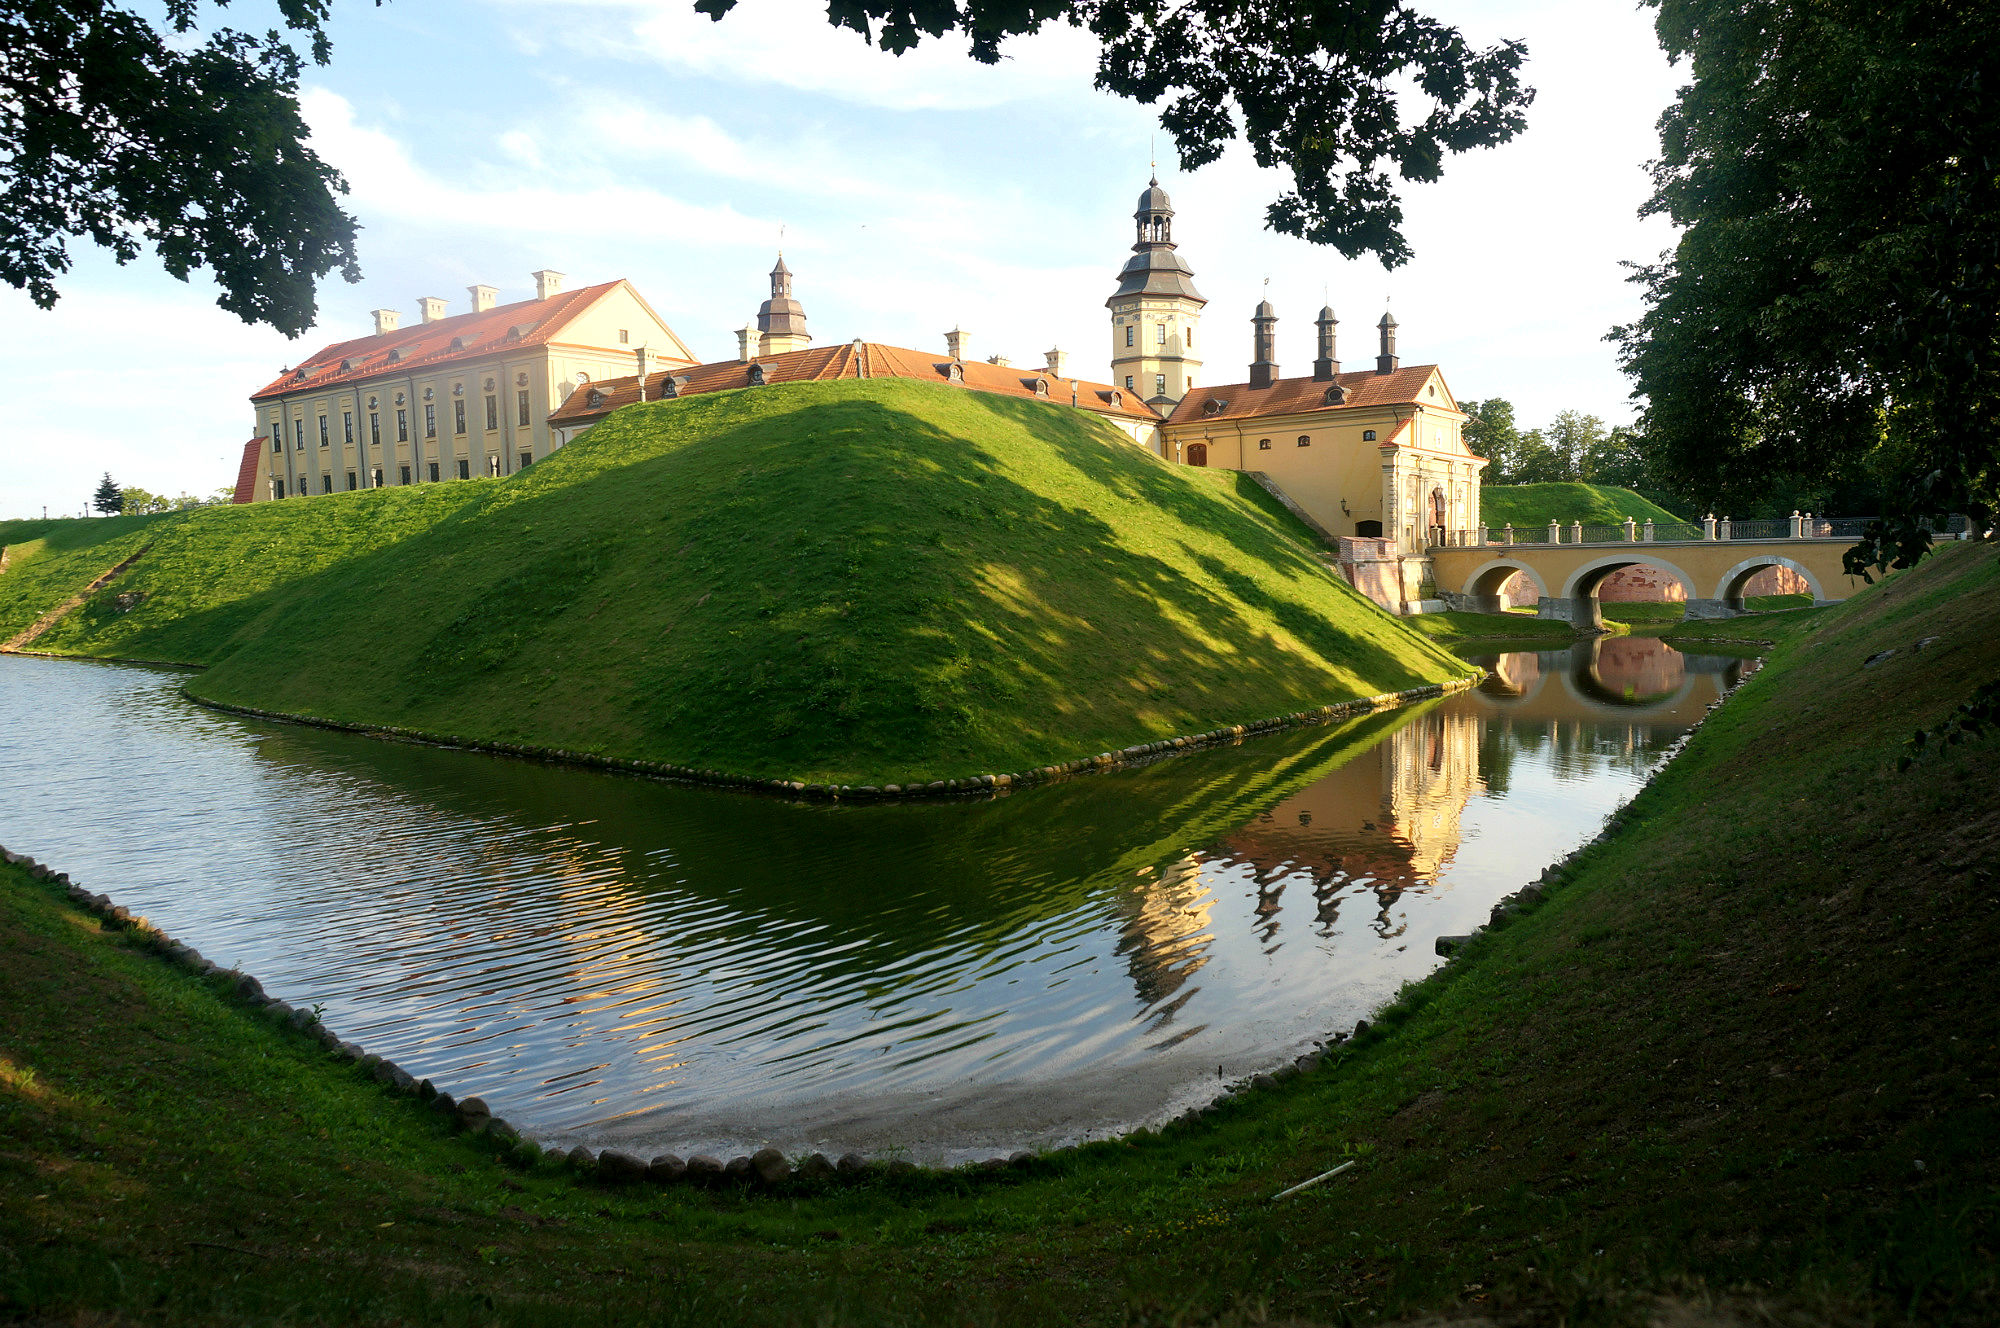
(483, 298)
(386, 320)
(433, 308)
(746, 342)
(648, 361)
(547, 283)
(954, 343)
(1057, 358)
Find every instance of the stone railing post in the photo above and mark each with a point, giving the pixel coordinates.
(1482, 534)
(1649, 530)
(1555, 531)
(1576, 532)
(1798, 525)
(1510, 532)
(1708, 526)
(1631, 531)
(1806, 526)
(1724, 528)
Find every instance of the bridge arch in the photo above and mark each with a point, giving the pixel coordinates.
(1729, 590)
(1482, 588)
(1578, 602)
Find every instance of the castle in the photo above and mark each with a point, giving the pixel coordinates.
(1372, 459)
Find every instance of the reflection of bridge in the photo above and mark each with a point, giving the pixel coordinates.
(1611, 678)
(1713, 560)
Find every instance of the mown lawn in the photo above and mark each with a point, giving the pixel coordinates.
(854, 582)
(1738, 1068)
(1538, 504)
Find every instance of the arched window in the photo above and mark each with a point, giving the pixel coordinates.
(1305, 440)
(1041, 387)
(1263, 444)
(756, 375)
(1367, 435)
(956, 373)
(1197, 454)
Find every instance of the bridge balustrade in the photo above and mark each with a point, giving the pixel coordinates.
(1722, 529)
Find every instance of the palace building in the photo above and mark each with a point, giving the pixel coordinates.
(1373, 459)
(452, 397)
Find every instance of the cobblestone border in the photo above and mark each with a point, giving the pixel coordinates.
(1137, 754)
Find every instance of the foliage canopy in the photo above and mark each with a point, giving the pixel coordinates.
(128, 135)
(1835, 294)
(1314, 86)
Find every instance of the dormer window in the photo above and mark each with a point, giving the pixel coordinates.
(671, 387)
(458, 343)
(1041, 387)
(1117, 397)
(300, 374)
(349, 366)
(396, 353)
(596, 397)
(1214, 406)
(756, 375)
(1336, 395)
(955, 373)
(1367, 435)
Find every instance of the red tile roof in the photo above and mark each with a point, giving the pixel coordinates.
(860, 359)
(1302, 396)
(246, 472)
(524, 323)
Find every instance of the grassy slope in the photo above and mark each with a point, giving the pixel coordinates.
(1707, 1068)
(851, 582)
(1538, 504)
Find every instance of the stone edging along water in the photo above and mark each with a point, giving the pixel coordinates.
(1136, 754)
(769, 1167)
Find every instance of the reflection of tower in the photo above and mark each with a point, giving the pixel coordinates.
(1389, 819)
(1166, 933)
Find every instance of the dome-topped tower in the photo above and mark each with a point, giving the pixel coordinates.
(1155, 310)
(781, 320)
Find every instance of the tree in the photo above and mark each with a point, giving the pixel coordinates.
(109, 499)
(1833, 303)
(119, 133)
(1489, 431)
(1318, 88)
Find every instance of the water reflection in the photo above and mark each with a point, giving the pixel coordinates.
(611, 959)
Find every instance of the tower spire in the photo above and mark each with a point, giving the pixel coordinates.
(1156, 309)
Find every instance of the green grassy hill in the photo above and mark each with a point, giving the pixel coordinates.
(854, 582)
(1539, 504)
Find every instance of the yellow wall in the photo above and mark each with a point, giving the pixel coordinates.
(590, 349)
(1178, 358)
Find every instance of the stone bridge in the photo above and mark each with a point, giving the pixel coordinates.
(1712, 560)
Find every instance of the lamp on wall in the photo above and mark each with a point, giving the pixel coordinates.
(1343, 508)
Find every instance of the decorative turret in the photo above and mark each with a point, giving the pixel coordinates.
(1385, 363)
(1264, 344)
(1155, 310)
(781, 320)
(1326, 367)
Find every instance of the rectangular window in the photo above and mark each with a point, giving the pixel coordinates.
(434, 472)
(406, 474)
(1128, 335)
(527, 459)
(375, 477)
(430, 420)
(465, 469)
(1128, 382)
(347, 426)
(492, 412)
(458, 415)
(1159, 385)
(403, 428)
(521, 400)
(624, 336)
(299, 435)
(353, 481)
(1161, 328)
(277, 441)
(326, 484)
(492, 465)
(1305, 440)
(1187, 337)
(323, 439)
(375, 430)
(277, 488)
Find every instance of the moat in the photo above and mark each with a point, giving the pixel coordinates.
(618, 961)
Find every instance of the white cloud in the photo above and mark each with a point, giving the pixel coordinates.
(790, 44)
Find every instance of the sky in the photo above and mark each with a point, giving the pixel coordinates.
(639, 139)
